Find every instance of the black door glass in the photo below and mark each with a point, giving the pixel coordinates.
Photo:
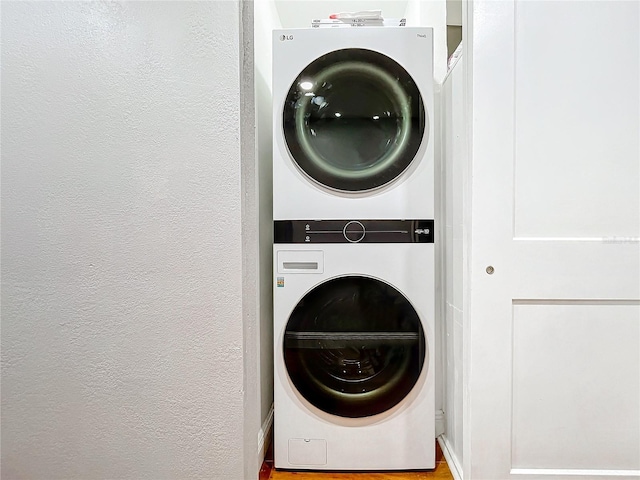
(354, 120)
(354, 347)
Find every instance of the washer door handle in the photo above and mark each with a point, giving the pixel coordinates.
(300, 265)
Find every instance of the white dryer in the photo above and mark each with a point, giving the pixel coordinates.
(353, 123)
(354, 345)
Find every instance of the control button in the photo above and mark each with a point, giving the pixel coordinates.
(353, 231)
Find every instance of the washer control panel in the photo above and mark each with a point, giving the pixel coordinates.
(353, 231)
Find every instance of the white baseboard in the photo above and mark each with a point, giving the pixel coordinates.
(264, 436)
(452, 459)
(556, 472)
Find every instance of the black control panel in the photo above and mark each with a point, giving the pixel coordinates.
(353, 231)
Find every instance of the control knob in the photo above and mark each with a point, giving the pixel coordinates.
(353, 231)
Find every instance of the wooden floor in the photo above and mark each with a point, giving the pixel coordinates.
(441, 472)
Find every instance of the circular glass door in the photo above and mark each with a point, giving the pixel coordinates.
(354, 347)
(353, 120)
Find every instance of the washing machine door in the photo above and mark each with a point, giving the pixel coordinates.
(353, 120)
(354, 347)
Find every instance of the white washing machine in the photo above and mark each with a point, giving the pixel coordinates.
(353, 123)
(354, 345)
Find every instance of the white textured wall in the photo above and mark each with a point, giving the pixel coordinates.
(266, 19)
(122, 326)
(258, 378)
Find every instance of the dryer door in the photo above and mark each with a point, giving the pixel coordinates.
(353, 120)
(354, 347)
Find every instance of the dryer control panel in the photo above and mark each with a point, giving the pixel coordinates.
(353, 231)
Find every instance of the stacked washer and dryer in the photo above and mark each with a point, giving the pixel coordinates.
(353, 206)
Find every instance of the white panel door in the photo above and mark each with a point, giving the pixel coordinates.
(553, 387)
